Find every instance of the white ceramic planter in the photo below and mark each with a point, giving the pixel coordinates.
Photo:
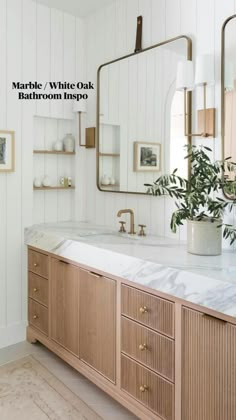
(204, 238)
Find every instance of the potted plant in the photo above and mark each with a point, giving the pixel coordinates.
(198, 203)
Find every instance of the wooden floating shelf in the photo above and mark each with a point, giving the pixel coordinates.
(110, 154)
(53, 152)
(53, 188)
(110, 186)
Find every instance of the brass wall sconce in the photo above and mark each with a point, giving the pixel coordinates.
(80, 108)
(203, 78)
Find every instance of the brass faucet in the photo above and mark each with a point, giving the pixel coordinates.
(131, 212)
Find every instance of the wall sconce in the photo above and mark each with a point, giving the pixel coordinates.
(203, 78)
(80, 108)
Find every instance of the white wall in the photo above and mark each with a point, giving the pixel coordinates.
(110, 34)
(35, 43)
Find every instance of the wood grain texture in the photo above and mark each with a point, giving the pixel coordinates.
(38, 288)
(38, 316)
(38, 263)
(159, 315)
(97, 328)
(159, 395)
(208, 368)
(64, 305)
(158, 353)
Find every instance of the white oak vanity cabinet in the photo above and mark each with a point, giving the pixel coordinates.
(162, 358)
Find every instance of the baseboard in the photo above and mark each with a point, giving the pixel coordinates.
(12, 334)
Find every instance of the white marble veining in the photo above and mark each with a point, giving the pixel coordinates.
(157, 263)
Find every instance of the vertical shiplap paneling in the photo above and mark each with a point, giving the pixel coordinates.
(56, 58)
(13, 196)
(173, 18)
(3, 177)
(158, 21)
(28, 110)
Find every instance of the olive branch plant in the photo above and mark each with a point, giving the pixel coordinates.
(197, 198)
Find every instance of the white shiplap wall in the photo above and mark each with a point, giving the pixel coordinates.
(110, 34)
(35, 43)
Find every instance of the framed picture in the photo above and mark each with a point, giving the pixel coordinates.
(147, 157)
(7, 151)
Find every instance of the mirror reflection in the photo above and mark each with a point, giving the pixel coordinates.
(229, 101)
(141, 119)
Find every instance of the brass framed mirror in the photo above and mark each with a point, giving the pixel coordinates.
(140, 117)
(228, 102)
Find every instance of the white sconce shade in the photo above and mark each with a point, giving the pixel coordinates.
(204, 70)
(229, 77)
(185, 76)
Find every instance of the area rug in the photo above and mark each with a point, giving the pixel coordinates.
(28, 391)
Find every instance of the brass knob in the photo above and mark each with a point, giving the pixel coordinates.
(35, 265)
(143, 310)
(35, 290)
(122, 227)
(142, 347)
(143, 388)
(142, 232)
(35, 316)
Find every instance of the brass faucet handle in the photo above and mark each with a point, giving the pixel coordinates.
(122, 227)
(142, 231)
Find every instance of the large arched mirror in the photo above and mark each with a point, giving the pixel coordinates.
(228, 70)
(140, 118)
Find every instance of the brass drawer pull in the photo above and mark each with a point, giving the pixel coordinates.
(36, 265)
(35, 290)
(143, 310)
(35, 316)
(142, 347)
(143, 388)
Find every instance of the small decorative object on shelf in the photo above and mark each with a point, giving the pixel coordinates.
(47, 181)
(106, 180)
(37, 183)
(58, 146)
(69, 142)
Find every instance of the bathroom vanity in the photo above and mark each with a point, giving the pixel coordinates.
(151, 325)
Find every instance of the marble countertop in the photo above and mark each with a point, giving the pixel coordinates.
(158, 263)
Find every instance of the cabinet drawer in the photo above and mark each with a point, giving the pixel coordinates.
(38, 263)
(38, 316)
(38, 288)
(148, 388)
(149, 310)
(148, 347)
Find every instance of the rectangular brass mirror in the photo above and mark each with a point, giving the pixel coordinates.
(140, 118)
(228, 98)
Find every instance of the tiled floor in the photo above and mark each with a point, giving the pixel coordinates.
(101, 403)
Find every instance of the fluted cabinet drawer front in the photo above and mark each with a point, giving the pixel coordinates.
(149, 310)
(150, 389)
(38, 263)
(38, 288)
(148, 347)
(38, 316)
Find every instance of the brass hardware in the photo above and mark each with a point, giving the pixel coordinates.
(35, 290)
(63, 262)
(98, 111)
(142, 347)
(143, 310)
(95, 274)
(143, 388)
(206, 118)
(223, 48)
(131, 212)
(89, 135)
(122, 227)
(35, 316)
(36, 265)
(142, 232)
(139, 34)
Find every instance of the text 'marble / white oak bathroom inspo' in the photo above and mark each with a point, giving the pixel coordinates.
(117, 210)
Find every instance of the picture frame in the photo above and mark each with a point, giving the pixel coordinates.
(7, 151)
(147, 157)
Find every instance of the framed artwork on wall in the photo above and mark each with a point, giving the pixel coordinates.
(7, 151)
(147, 157)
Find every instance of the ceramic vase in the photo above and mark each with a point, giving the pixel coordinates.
(69, 143)
(204, 237)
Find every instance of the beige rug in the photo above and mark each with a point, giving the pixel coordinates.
(28, 391)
